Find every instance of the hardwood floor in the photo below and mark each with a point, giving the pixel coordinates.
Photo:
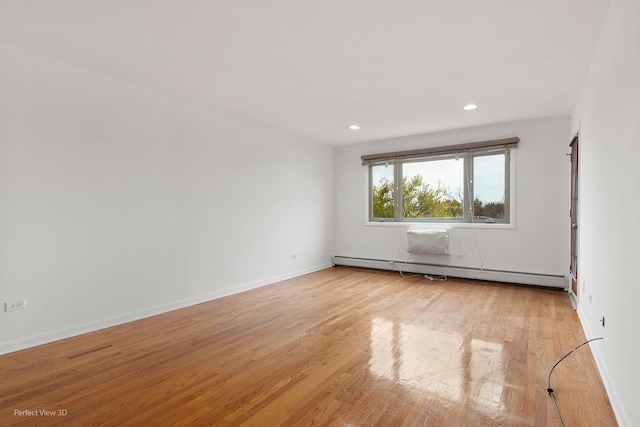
(340, 347)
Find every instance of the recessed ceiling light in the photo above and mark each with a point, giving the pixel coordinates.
(354, 127)
(470, 107)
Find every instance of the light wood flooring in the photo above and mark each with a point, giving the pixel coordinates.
(339, 347)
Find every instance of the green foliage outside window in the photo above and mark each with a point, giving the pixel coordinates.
(383, 199)
(421, 200)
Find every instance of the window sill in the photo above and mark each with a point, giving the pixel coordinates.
(447, 225)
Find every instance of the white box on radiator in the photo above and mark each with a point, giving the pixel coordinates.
(428, 242)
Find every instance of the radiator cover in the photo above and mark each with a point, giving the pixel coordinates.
(428, 242)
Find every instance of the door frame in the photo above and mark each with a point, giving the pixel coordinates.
(573, 214)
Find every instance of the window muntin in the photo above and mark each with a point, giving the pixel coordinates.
(471, 186)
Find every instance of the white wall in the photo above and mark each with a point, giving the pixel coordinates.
(539, 242)
(118, 202)
(608, 118)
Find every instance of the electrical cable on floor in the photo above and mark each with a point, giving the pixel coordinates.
(436, 278)
(405, 263)
(426, 276)
(550, 390)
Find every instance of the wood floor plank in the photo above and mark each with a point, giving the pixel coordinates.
(339, 347)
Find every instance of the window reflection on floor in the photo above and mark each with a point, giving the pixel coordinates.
(437, 361)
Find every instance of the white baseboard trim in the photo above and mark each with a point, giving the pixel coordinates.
(573, 299)
(614, 398)
(546, 280)
(72, 331)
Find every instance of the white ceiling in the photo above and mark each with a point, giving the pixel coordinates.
(314, 67)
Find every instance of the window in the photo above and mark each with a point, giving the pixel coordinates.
(468, 183)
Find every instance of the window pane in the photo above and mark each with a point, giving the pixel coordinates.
(382, 190)
(433, 189)
(489, 188)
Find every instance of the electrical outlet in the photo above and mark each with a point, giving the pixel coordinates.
(15, 305)
(294, 257)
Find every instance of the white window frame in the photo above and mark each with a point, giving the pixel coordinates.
(468, 154)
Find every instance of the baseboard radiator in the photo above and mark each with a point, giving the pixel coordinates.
(532, 279)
